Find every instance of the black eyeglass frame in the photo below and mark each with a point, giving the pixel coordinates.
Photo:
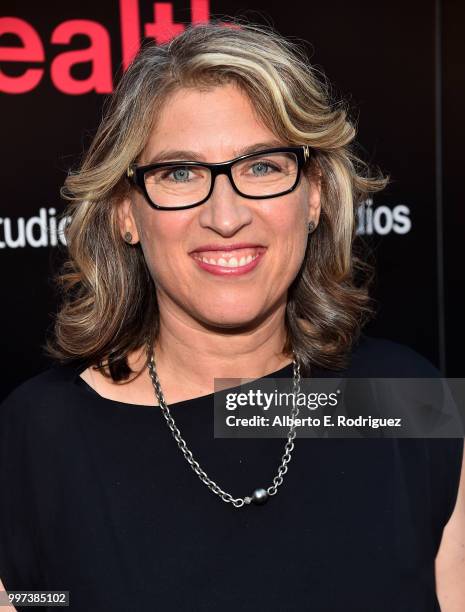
(135, 174)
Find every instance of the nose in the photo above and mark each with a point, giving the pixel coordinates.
(225, 212)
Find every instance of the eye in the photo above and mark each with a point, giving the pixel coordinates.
(262, 168)
(180, 174)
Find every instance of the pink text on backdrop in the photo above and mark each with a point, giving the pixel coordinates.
(98, 53)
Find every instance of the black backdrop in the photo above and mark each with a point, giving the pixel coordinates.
(398, 63)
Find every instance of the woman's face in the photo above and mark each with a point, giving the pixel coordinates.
(218, 124)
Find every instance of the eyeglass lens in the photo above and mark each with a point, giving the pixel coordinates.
(261, 175)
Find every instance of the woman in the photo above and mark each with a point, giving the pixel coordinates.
(211, 236)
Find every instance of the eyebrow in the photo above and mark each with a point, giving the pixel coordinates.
(184, 155)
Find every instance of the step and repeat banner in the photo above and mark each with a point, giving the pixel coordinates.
(399, 66)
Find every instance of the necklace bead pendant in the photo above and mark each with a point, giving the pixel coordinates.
(260, 496)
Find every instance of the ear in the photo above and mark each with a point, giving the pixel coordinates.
(314, 196)
(126, 220)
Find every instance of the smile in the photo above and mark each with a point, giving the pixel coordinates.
(237, 261)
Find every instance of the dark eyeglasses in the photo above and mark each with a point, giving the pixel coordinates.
(176, 185)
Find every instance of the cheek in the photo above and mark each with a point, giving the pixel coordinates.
(163, 241)
(288, 212)
(289, 229)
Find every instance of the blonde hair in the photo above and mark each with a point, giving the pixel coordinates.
(108, 300)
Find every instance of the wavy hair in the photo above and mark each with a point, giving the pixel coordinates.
(108, 305)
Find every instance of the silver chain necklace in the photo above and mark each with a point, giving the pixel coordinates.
(259, 496)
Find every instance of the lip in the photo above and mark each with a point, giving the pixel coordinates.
(226, 270)
(228, 247)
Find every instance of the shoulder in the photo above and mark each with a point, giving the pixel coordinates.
(51, 380)
(444, 457)
(379, 357)
(36, 399)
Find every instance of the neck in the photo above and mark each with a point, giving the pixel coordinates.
(189, 354)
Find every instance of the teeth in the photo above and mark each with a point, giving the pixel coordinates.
(229, 263)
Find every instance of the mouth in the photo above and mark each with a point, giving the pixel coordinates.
(229, 261)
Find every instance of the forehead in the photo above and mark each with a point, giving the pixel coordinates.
(215, 122)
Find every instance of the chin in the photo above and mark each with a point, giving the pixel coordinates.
(231, 320)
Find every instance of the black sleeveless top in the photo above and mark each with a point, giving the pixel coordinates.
(98, 500)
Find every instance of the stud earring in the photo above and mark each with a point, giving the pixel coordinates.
(311, 227)
(128, 237)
